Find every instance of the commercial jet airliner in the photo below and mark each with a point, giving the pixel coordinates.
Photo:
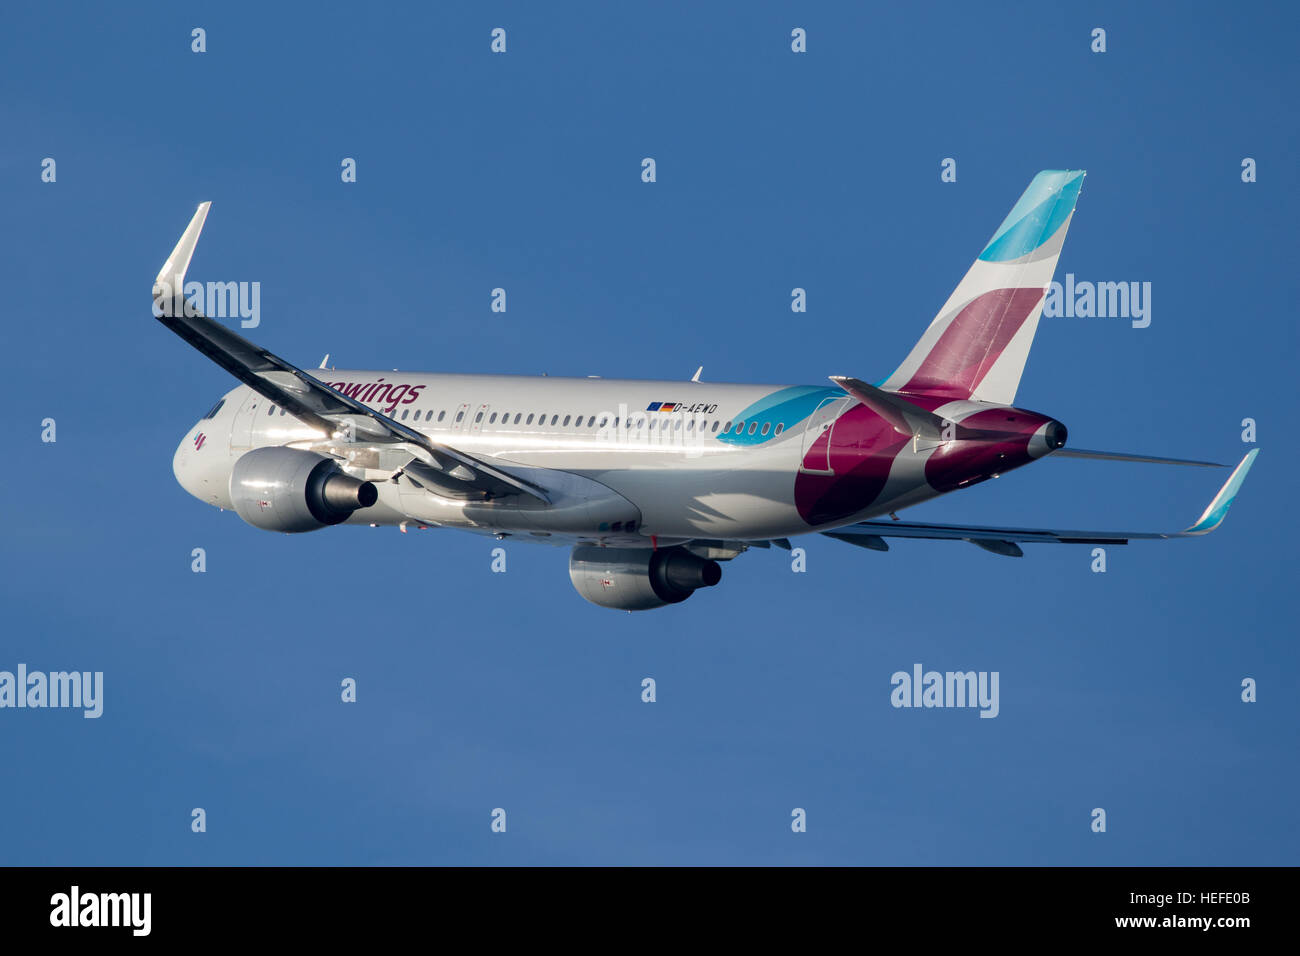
(652, 483)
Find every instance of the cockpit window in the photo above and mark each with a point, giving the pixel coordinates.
(215, 408)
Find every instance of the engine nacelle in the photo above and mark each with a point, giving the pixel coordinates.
(638, 579)
(290, 490)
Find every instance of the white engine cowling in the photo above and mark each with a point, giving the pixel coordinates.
(290, 490)
(638, 579)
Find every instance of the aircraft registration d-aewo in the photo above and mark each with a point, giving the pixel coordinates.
(653, 483)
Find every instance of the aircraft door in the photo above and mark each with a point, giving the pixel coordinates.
(820, 423)
(241, 426)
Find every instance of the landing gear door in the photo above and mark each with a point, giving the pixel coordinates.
(815, 457)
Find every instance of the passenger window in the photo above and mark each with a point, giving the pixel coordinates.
(215, 408)
(752, 426)
(270, 411)
(566, 420)
(459, 416)
(518, 416)
(780, 427)
(577, 422)
(767, 427)
(530, 420)
(690, 425)
(478, 418)
(715, 426)
(740, 428)
(554, 419)
(282, 411)
(492, 420)
(441, 415)
(405, 412)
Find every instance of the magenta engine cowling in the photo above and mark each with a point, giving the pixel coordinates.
(861, 448)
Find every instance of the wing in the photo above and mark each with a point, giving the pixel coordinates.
(1007, 541)
(341, 420)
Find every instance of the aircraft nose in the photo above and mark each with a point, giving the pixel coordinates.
(180, 462)
(202, 467)
(185, 467)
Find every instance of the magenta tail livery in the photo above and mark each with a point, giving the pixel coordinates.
(650, 483)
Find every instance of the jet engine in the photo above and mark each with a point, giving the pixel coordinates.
(289, 490)
(638, 579)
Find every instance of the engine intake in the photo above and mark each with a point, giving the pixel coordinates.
(638, 579)
(290, 490)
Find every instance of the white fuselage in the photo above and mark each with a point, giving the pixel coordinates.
(674, 475)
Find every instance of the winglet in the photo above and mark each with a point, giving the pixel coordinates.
(1218, 509)
(171, 277)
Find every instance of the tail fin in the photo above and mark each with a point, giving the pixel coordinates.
(977, 345)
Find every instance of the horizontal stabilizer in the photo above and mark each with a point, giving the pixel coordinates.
(907, 418)
(1121, 456)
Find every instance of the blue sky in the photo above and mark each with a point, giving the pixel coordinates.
(775, 170)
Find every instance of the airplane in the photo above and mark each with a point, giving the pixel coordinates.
(652, 484)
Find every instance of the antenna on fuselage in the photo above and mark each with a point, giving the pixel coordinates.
(696, 376)
(325, 362)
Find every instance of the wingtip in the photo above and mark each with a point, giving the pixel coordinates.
(171, 277)
(1217, 510)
